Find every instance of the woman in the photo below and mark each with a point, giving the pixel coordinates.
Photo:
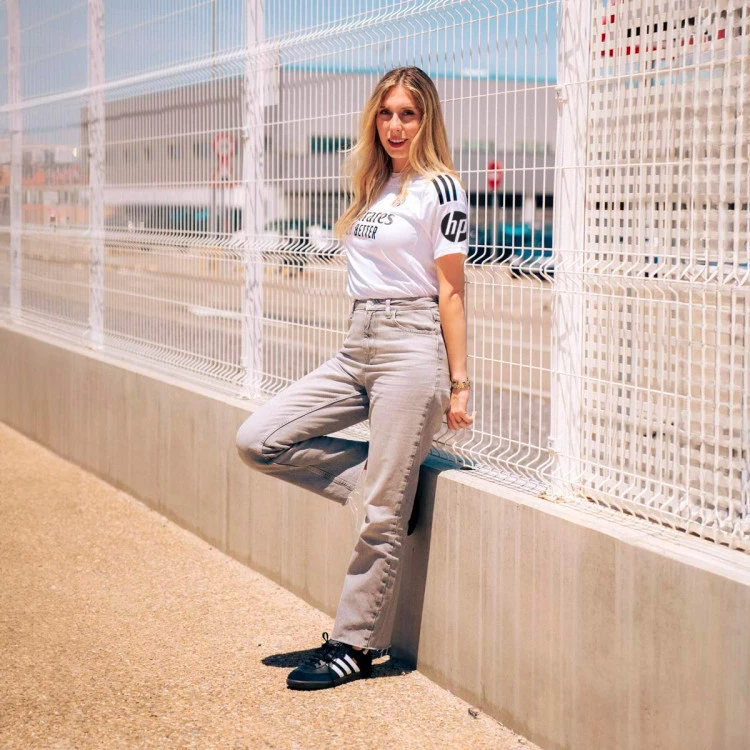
(402, 364)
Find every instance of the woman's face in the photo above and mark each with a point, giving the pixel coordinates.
(398, 121)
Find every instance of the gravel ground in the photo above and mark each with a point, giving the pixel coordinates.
(118, 629)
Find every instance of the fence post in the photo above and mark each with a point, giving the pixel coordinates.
(569, 242)
(253, 211)
(96, 172)
(16, 173)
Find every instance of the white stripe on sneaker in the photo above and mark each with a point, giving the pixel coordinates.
(347, 669)
(352, 662)
(337, 669)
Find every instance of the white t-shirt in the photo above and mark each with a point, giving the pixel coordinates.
(391, 249)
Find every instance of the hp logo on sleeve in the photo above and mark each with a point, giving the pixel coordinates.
(454, 226)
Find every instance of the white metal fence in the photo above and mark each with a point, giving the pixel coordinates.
(664, 370)
(171, 173)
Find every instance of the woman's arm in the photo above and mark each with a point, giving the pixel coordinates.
(450, 272)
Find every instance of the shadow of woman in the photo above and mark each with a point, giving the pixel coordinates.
(415, 560)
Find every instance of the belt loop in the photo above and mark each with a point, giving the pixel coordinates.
(387, 308)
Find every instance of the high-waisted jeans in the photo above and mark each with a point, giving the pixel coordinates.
(393, 369)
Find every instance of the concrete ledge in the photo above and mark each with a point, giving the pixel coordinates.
(574, 627)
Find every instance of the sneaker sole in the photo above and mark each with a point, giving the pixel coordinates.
(317, 685)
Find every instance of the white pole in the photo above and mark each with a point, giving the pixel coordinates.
(16, 173)
(96, 173)
(253, 211)
(569, 241)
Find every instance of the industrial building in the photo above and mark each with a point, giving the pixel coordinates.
(174, 157)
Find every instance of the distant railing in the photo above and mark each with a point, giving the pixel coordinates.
(171, 173)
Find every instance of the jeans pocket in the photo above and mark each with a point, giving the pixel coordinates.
(417, 321)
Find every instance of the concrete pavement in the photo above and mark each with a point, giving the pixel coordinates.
(119, 629)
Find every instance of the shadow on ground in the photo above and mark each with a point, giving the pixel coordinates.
(391, 667)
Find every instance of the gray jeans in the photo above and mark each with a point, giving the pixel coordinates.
(393, 369)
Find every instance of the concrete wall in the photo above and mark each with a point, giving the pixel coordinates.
(576, 629)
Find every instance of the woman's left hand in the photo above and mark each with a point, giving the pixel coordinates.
(456, 416)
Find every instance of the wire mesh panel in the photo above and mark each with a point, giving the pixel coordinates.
(172, 145)
(54, 48)
(54, 244)
(5, 169)
(665, 357)
(172, 280)
(179, 168)
(49, 228)
(4, 219)
(5, 162)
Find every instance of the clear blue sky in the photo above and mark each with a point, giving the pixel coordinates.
(145, 35)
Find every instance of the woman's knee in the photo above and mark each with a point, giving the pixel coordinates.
(250, 444)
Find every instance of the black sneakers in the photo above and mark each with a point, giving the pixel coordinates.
(332, 664)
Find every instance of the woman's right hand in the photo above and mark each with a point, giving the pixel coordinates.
(457, 416)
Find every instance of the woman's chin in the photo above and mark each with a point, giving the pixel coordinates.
(399, 161)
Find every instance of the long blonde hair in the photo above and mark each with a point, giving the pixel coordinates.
(368, 163)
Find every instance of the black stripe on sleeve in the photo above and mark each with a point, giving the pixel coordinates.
(446, 186)
(454, 185)
(439, 190)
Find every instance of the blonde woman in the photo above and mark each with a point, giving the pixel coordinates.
(402, 364)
